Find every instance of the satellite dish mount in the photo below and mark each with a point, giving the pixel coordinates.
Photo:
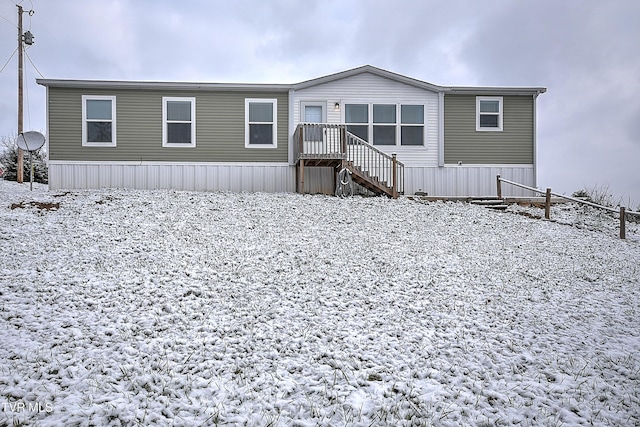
(30, 141)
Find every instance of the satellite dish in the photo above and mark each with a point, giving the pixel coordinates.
(30, 140)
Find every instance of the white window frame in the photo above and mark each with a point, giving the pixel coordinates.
(373, 124)
(398, 124)
(274, 122)
(423, 125)
(86, 143)
(367, 123)
(165, 133)
(499, 114)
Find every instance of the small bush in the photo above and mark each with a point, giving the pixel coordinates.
(602, 196)
(9, 161)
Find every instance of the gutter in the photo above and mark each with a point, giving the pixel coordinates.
(154, 85)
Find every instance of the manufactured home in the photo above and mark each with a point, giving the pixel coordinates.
(393, 135)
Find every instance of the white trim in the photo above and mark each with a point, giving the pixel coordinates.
(158, 163)
(47, 121)
(500, 114)
(487, 165)
(86, 98)
(274, 122)
(292, 127)
(535, 140)
(165, 133)
(441, 129)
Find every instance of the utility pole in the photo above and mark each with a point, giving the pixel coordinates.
(20, 89)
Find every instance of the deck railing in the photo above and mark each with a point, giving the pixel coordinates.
(333, 141)
(319, 141)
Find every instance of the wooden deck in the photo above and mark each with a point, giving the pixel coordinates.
(329, 145)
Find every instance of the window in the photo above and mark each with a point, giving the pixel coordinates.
(384, 124)
(489, 113)
(355, 114)
(98, 121)
(178, 122)
(261, 123)
(412, 124)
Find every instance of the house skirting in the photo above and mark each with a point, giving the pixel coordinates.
(447, 181)
(455, 181)
(235, 177)
(468, 180)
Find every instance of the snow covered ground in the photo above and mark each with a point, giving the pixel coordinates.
(179, 308)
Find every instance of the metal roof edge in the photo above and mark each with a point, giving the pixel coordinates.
(151, 85)
(266, 87)
(368, 69)
(495, 90)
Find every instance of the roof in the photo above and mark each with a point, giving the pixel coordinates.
(150, 85)
(371, 70)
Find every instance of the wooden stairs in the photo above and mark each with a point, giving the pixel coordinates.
(331, 145)
(370, 182)
(490, 203)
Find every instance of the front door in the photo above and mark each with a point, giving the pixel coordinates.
(313, 112)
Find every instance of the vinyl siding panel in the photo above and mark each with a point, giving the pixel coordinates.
(462, 143)
(369, 88)
(220, 127)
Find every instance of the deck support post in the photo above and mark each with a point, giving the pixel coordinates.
(394, 176)
(622, 223)
(301, 176)
(499, 186)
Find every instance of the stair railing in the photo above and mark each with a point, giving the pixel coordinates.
(333, 141)
(377, 164)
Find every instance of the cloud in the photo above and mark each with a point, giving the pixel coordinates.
(584, 51)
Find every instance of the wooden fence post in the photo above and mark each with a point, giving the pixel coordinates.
(547, 204)
(622, 223)
(499, 186)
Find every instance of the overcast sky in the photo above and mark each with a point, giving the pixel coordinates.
(586, 52)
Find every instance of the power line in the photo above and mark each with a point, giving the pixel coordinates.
(32, 64)
(8, 60)
(26, 70)
(12, 24)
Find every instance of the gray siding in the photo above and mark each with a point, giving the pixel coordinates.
(462, 143)
(220, 127)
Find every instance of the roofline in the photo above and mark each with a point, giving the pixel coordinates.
(495, 90)
(369, 69)
(151, 85)
(267, 87)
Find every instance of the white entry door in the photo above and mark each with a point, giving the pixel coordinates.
(313, 112)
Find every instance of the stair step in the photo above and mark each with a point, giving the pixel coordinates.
(486, 202)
